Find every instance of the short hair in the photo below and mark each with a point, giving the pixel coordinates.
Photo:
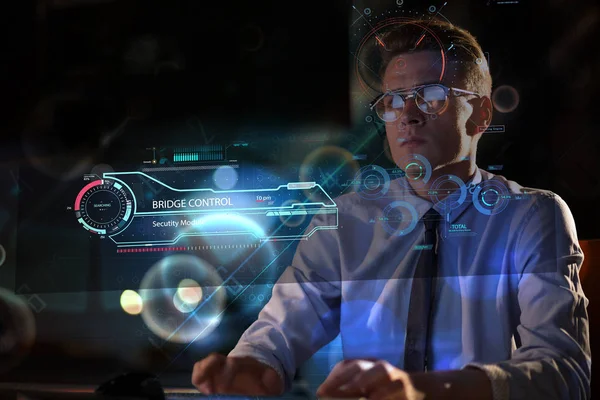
(465, 56)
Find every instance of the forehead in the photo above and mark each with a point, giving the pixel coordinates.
(412, 69)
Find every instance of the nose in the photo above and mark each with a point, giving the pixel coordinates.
(411, 115)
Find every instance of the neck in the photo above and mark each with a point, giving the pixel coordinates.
(462, 169)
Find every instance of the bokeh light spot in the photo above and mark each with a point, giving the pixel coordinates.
(505, 99)
(131, 302)
(225, 177)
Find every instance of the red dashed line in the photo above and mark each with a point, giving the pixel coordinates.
(152, 249)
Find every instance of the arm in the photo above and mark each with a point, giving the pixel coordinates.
(554, 360)
(303, 313)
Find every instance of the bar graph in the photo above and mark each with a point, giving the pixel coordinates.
(213, 152)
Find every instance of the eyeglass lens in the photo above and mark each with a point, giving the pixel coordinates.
(429, 99)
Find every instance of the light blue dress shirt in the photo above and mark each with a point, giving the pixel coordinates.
(507, 274)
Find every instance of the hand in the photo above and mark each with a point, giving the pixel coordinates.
(236, 375)
(376, 380)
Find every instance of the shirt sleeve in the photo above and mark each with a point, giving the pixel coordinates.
(303, 313)
(554, 360)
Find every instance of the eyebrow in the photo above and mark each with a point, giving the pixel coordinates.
(432, 82)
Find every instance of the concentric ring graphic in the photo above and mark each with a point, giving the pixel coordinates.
(104, 207)
(400, 218)
(448, 192)
(372, 182)
(490, 197)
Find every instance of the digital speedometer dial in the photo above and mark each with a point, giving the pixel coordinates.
(104, 207)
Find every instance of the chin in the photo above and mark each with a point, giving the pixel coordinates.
(406, 153)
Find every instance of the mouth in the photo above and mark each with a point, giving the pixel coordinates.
(412, 142)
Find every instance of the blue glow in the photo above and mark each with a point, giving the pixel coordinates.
(225, 177)
(231, 222)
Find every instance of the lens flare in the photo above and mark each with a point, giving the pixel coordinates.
(131, 302)
(225, 177)
(179, 309)
(188, 296)
(505, 99)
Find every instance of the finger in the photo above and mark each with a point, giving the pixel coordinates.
(370, 380)
(205, 371)
(341, 374)
(272, 382)
(228, 373)
(392, 391)
(243, 376)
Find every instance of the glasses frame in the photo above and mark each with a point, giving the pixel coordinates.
(407, 94)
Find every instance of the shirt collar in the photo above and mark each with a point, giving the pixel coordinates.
(421, 206)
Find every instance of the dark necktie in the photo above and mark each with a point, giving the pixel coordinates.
(417, 327)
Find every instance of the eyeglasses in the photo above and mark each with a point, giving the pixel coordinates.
(430, 99)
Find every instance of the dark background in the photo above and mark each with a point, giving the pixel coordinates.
(273, 66)
(262, 69)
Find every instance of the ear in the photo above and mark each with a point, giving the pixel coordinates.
(481, 118)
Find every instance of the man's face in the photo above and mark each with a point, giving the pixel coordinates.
(442, 139)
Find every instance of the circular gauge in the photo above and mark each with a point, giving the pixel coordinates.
(448, 192)
(105, 207)
(416, 167)
(372, 182)
(400, 218)
(490, 197)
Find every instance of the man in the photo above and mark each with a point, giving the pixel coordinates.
(506, 313)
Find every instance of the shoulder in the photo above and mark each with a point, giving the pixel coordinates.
(535, 206)
(527, 196)
(513, 187)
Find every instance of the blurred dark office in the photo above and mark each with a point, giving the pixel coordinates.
(271, 69)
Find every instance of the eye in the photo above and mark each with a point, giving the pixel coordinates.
(397, 101)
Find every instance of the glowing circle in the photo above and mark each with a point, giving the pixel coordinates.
(414, 165)
(131, 302)
(414, 171)
(188, 295)
(398, 222)
(455, 195)
(399, 2)
(373, 182)
(183, 306)
(491, 197)
(225, 177)
(169, 309)
(505, 98)
(368, 57)
(367, 11)
(369, 118)
(432, 9)
(2, 255)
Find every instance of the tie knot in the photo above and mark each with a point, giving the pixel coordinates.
(431, 219)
